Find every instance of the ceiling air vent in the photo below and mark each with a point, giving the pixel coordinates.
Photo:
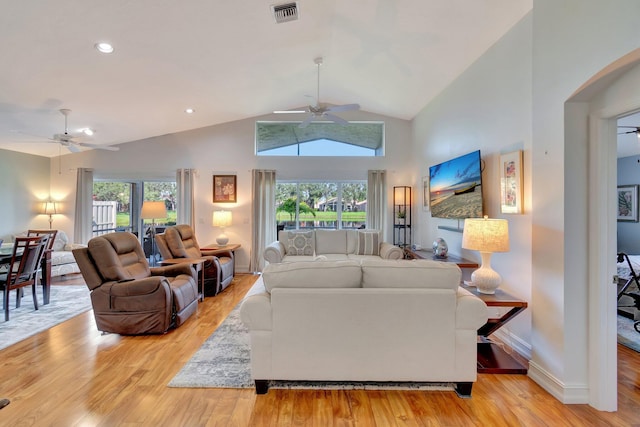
(285, 12)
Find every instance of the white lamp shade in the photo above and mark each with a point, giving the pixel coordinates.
(153, 210)
(486, 235)
(221, 218)
(50, 208)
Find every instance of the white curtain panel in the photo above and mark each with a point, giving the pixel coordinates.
(185, 180)
(376, 200)
(83, 224)
(263, 189)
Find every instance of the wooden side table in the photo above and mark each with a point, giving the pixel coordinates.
(492, 359)
(197, 263)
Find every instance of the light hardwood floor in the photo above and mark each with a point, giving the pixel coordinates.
(71, 375)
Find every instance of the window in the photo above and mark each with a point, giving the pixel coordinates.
(117, 204)
(330, 205)
(320, 139)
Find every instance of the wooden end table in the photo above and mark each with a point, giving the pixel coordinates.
(197, 263)
(492, 359)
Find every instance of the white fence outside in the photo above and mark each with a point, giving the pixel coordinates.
(104, 217)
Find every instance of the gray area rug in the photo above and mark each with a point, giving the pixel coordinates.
(66, 302)
(223, 361)
(627, 335)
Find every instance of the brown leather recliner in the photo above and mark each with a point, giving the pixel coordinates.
(128, 297)
(179, 241)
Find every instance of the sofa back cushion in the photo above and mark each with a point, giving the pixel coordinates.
(410, 274)
(312, 274)
(297, 243)
(331, 242)
(368, 243)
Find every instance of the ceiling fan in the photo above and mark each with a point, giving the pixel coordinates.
(319, 110)
(73, 141)
(636, 130)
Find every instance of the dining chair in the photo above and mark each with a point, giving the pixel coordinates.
(45, 262)
(22, 269)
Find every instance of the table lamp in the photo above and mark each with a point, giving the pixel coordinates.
(49, 208)
(486, 236)
(153, 211)
(222, 219)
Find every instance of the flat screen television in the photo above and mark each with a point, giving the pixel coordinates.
(455, 187)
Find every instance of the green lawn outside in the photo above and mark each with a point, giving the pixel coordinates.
(325, 216)
(122, 219)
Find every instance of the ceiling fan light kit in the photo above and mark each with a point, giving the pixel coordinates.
(73, 141)
(320, 111)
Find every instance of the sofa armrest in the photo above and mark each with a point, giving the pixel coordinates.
(274, 253)
(255, 311)
(471, 311)
(389, 251)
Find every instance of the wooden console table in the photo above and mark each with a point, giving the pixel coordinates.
(492, 359)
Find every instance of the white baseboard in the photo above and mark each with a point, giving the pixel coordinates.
(567, 394)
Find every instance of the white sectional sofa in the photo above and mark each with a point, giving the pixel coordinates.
(332, 245)
(363, 320)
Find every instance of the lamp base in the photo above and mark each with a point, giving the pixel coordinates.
(486, 279)
(222, 240)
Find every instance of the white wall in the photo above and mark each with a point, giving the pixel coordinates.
(514, 97)
(25, 184)
(572, 41)
(229, 149)
(487, 108)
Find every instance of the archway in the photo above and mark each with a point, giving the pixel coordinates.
(590, 122)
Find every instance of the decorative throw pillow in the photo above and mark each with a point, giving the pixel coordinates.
(368, 243)
(300, 243)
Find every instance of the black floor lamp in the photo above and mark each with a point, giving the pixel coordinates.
(153, 211)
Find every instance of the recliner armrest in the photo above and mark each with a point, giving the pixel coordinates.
(216, 253)
(136, 287)
(274, 253)
(174, 270)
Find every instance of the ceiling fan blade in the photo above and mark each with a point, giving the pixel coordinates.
(99, 147)
(336, 119)
(307, 121)
(631, 131)
(71, 147)
(346, 107)
(290, 111)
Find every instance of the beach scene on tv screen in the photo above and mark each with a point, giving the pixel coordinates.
(455, 187)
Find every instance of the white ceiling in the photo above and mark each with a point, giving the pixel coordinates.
(228, 60)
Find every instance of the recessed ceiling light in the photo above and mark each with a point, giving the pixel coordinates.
(104, 47)
(87, 131)
(189, 111)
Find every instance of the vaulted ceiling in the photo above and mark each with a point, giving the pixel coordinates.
(227, 60)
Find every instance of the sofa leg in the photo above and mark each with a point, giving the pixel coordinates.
(463, 389)
(262, 386)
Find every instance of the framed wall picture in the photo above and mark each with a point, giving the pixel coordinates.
(628, 203)
(425, 193)
(511, 183)
(224, 189)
